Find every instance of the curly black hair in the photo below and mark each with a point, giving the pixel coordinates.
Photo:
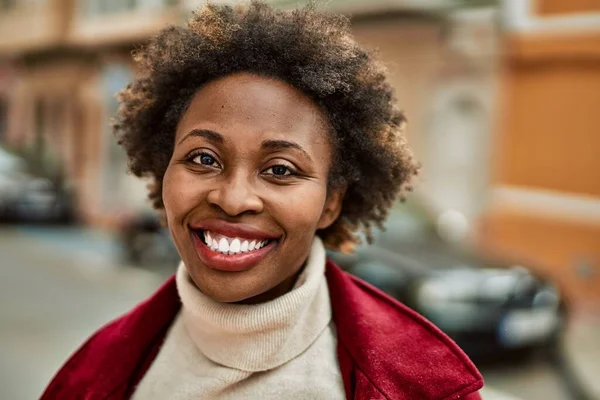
(309, 49)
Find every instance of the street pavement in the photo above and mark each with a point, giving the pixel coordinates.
(51, 299)
(57, 286)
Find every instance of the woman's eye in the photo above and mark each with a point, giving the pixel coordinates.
(279, 170)
(204, 159)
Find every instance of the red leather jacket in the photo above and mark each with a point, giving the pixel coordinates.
(385, 350)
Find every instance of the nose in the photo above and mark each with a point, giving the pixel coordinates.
(235, 195)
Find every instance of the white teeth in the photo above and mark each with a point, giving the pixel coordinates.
(226, 245)
(235, 245)
(223, 245)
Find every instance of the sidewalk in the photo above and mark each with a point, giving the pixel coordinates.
(95, 246)
(488, 393)
(583, 348)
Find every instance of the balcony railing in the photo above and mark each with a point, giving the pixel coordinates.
(101, 22)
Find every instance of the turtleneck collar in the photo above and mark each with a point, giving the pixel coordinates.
(259, 337)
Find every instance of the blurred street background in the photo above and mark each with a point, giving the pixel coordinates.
(502, 98)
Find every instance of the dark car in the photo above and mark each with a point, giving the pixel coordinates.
(42, 200)
(26, 197)
(486, 305)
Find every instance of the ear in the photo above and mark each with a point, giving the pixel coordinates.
(332, 208)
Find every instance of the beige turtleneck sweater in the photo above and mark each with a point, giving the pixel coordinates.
(282, 349)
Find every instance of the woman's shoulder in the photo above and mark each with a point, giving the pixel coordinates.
(107, 360)
(394, 347)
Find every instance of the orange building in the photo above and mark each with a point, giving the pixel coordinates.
(545, 194)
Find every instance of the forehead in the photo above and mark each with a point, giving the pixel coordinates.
(255, 104)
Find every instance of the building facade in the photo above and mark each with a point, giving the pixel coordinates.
(545, 193)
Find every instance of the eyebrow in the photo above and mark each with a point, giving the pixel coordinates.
(283, 144)
(267, 144)
(203, 133)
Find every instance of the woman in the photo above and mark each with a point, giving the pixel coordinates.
(270, 135)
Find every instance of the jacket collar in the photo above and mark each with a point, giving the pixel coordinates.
(400, 353)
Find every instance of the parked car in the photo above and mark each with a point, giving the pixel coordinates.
(25, 197)
(490, 307)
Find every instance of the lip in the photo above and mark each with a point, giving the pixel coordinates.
(243, 231)
(233, 262)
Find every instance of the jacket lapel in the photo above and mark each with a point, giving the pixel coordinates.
(391, 351)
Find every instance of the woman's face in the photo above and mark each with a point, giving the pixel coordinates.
(246, 187)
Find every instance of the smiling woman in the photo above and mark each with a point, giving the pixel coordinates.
(270, 135)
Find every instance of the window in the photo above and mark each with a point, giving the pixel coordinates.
(154, 4)
(43, 151)
(7, 4)
(95, 8)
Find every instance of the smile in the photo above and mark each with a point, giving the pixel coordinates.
(230, 245)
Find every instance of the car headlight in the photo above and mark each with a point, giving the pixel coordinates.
(454, 288)
(431, 292)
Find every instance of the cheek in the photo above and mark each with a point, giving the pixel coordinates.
(178, 193)
(299, 210)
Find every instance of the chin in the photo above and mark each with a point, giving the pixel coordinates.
(225, 291)
(227, 287)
